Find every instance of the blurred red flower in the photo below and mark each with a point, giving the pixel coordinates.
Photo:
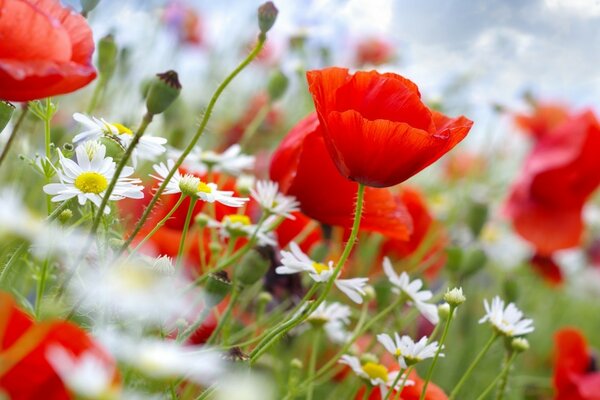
(548, 268)
(412, 392)
(426, 232)
(25, 373)
(45, 50)
(303, 168)
(544, 118)
(374, 51)
(575, 373)
(559, 175)
(184, 21)
(377, 130)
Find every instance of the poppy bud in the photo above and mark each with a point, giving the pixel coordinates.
(253, 266)
(114, 148)
(107, 56)
(454, 258)
(163, 91)
(217, 288)
(278, 84)
(267, 14)
(87, 6)
(477, 216)
(474, 260)
(510, 288)
(6, 111)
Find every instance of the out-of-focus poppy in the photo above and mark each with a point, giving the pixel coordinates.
(575, 374)
(426, 232)
(544, 118)
(25, 373)
(412, 392)
(559, 175)
(374, 51)
(185, 21)
(547, 267)
(377, 130)
(463, 164)
(304, 169)
(45, 50)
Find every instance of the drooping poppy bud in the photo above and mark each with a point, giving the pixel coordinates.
(267, 14)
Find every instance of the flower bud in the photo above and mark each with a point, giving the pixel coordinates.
(163, 91)
(510, 289)
(65, 216)
(265, 298)
(519, 344)
(368, 358)
(252, 267)
(107, 56)
(189, 185)
(454, 258)
(244, 183)
(6, 111)
(474, 261)
(296, 363)
(267, 14)
(369, 293)
(214, 248)
(114, 147)
(444, 311)
(455, 297)
(477, 215)
(277, 85)
(217, 288)
(201, 220)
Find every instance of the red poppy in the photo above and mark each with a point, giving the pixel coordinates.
(412, 392)
(575, 374)
(377, 129)
(45, 50)
(547, 267)
(426, 232)
(25, 373)
(559, 175)
(544, 118)
(374, 51)
(184, 21)
(464, 164)
(303, 168)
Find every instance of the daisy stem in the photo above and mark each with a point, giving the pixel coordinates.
(299, 318)
(313, 362)
(405, 374)
(47, 141)
(159, 225)
(115, 178)
(199, 132)
(184, 232)
(504, 375)
(235, 292)
(507, 365)
(13, 134)
(469, 371)
(41, 286)
(437, 352)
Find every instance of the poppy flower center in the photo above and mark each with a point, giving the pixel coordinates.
(91, 182)
(320, 267)
(204, 188)
(375, 371)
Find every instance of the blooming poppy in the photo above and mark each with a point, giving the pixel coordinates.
(559, 175)
(575, 374)
(377, 130)
(45, 50)
(374, 51)
(303, 168)
(544, 118)
(25, 372)
(426, 232)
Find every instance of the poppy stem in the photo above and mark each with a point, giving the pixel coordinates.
(199, 132)
(13, 134)
(438, 351)
(313, 362)
(184, 232)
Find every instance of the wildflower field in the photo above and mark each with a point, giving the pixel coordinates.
(317, 200)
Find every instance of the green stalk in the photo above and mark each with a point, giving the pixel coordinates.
(313, 363)
(199, 132)
(226, 315)
(469, 371)
(504, 377)
(491, 386)
(186, 227)
(437, 353)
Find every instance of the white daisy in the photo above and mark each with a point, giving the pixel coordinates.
(193, 186)
(295, 261)
(239, 225)
(88, 179)
(412, 290)
(273, 202)
(87, 375)
(507, 321)
(148, 148)
(376, 374)
(334, 317)
(406, 350)
(231, 161)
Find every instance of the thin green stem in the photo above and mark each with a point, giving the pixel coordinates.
(313, 363)
(41, 286)
(491, 386)
(47, 142)
(405, 375)
(192, 328)
(226, 315)
(115, 178)
(199, 132)
(96, 94)
(471, 368)
(13, 134)
(504, 376)
(437, 353)
(184, 232)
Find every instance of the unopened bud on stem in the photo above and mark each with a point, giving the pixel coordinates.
(163, 91)
(267, 14)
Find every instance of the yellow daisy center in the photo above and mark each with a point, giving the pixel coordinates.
(91, 182)
(374, 371)
(123, 129)
(320, 267)
(204, 188)
(238, 218)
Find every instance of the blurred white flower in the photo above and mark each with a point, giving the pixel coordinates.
(413, 291)
(353, 288)
(273, 202)
(231, 161)
(374, 373)
(247, 387)
(334, 317)
(88, 179)
(406, 350)
(507, 321)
